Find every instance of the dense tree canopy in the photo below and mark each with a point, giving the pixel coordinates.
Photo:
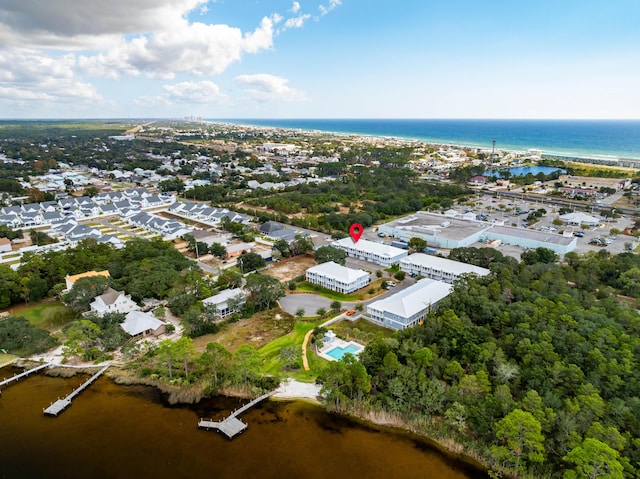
(19, 337)
(537, 362)
(264, 290)
(324, 254)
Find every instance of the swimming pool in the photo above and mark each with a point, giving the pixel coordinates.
(338, 352)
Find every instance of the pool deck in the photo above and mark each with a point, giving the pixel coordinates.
(338, 343)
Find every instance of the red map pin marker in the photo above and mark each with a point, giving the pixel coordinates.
(356, 231)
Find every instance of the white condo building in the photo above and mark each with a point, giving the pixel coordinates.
(378, 253)
(338, 278)
(409, 306)
(434, 267)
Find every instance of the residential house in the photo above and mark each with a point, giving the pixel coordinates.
(112, 301)
(235, 250)
(222, 304)
(70, 280)
(5, 245)
(137, 323)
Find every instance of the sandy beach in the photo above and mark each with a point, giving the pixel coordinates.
(292, 389)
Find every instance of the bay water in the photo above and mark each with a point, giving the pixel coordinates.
(113, 431)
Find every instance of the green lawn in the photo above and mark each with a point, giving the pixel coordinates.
(6, 358)
(359, 295)
(271, 352)
(50, 315)
(361, 330)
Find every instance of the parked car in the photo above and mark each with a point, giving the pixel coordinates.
(597, 242)
(579, 234)
(351, 312)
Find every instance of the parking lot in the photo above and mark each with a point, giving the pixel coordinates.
(514, 212)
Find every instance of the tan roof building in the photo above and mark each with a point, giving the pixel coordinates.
(5, 245)
(70, 280)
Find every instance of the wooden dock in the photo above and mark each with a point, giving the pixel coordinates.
(63, 403)
(24, 374)
(231, 426)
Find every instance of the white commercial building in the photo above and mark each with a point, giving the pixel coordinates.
(338, 278)
(442, 269)
(408, 307)
(378, 253)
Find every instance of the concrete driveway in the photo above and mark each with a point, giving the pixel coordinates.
(309, 302)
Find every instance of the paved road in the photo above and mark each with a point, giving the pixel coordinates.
(309, 302)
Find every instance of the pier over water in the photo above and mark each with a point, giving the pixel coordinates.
(61, 404)
(231, 426)
(24, 374)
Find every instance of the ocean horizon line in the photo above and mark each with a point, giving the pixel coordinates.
(590, 139)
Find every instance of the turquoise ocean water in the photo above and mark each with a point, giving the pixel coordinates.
(577, 138)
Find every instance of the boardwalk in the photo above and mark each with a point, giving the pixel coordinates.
(61, 404)
(23, 375)
(232, 426)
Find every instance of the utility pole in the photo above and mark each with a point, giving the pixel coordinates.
(493, 152)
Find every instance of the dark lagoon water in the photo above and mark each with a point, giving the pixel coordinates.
(571, 138)
(123, 432)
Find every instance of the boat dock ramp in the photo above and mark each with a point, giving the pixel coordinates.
(63, 403)
(231, 426)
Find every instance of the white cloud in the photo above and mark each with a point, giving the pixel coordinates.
(196, 48)
(204, 92)
(194, 92)
(332, 4)
(264, 87)
(73, 24)
(27, 75)
(50, 48)
(295, 22)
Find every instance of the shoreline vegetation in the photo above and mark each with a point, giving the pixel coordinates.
(177, 395)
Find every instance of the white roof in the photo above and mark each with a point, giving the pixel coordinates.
(579, 217)
(367, 246)
(414, 299)
(233, 248)
(443, 264)
(137, 322)
(338, 272)
(224, 296)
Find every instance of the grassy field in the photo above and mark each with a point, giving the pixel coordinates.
(271, 352)
(258, 331)
(360, 295)
(6, 358)
(361, 330)
(49, 315)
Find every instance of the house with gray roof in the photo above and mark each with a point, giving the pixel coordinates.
(226, 302)
(112, 301)
(137, 323)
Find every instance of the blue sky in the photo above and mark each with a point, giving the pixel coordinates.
(320, 59)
